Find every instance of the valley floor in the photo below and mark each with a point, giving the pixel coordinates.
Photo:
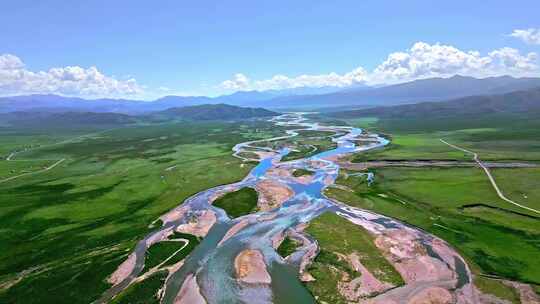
(163, 213)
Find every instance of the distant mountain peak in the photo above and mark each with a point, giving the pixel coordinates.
(430, 89)
(526, 101)
(219, 111)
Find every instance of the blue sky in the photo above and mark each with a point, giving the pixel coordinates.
(181, 47)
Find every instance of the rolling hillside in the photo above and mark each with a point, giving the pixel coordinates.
(527, 101)
(434, 89)
(64, 119)
(213, 112)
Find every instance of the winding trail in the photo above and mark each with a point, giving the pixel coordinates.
(209, 275)
(13, 154)
(490, 177)
(34, 172)
(432, 163)
(10, 156)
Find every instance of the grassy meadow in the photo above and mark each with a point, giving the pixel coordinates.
(143, 292)
(459, 206)
(521, 185)
(329, 230)
(306, 144)
(287, 247)
(238, 203)
(65, 230)
(492, 137)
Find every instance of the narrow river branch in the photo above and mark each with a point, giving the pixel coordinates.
(237, 262)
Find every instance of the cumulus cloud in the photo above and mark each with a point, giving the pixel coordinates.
(239, 82)
(164, 89)
(242, 82)
(422, 60)
(70, 80)
(10, 62)
(510, 61)
(530, 36)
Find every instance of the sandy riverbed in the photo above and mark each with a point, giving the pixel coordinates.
(200, 225)
(250, 268)
(272, 194)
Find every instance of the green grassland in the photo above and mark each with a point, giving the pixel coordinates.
(20, 141)
(521, 185)
(309, 146)
(144, 292)
(363, 122)
(65, 230)
(329, 229)
(414, 146)
(160, 252)
(287, 247)
(493, 137)
(238, 203)
(306, 144)
(497, 288)
(459, 204)
(14, 139)
(324, 119)
(17, 167)
(453, 204)
(301, 172)
(166, 251)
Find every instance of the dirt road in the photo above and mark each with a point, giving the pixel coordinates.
(491, 179)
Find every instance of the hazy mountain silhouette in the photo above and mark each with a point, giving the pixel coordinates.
(433, 89)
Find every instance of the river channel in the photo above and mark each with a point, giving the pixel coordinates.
(212, 262)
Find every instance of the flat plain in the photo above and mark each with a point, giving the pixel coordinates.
(65, 230)
(458, 204)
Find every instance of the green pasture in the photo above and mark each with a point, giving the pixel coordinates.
(65, 231)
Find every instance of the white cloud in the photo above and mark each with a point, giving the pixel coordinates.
(510, 61)
(242, 82)
(422, 60)
(239, 82)
(70, 80)
(10, 62)
(164, 89)
(530, 36)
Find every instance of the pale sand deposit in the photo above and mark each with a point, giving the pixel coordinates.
(267, 217)
(158, 237)
(423, 269)
(200, 225)
(365, 285)
(123, 271)
(432, 295)
(190, 292)
(265, 154)
(174, 215)
(311, 249)
(410, 258)
(279, 172)
(234, 230)
(526, 293)
(272, 194)
(250, 268)
(277, 239)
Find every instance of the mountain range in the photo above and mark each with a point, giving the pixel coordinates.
(433, 89)
(212, 112)
(517, 102)
(36, 119)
